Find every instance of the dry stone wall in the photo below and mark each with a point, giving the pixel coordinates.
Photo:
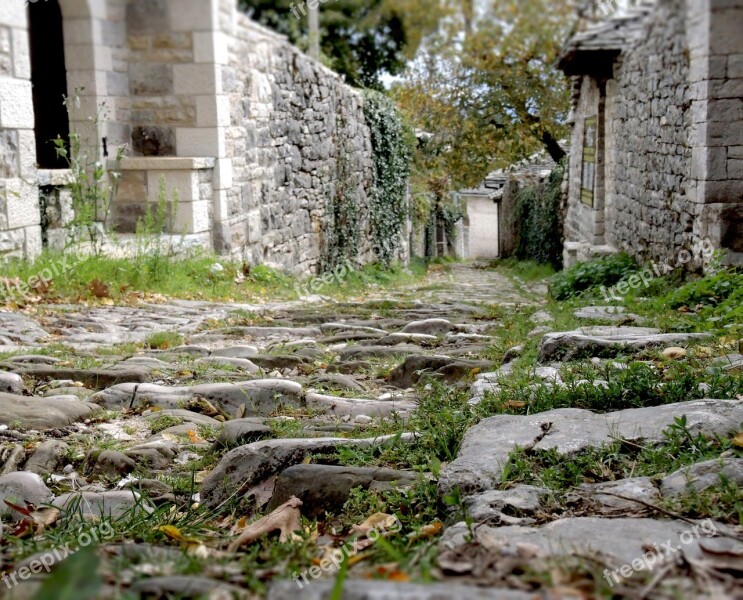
(291, 119)
(648, 147)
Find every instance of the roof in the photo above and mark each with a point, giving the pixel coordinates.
(595, 49)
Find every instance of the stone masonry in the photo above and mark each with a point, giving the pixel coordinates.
(225, 115)
(664, 86)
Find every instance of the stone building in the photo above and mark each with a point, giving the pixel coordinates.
(656, 159)
(489, 229)
(244, 126)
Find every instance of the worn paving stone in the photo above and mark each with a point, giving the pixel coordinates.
(358, 406)
(486, 446)
(243, 467)
(513, 506)
(602, 340)
(615, 542)
(43, 413)
(94, 505)
(22, 488)
(257, 397)
(702, 475)
(324, 488)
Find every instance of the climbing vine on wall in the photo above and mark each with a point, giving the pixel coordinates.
(343, 231)
(392, 157)
(540, 223)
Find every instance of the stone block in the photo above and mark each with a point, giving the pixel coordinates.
(132, 187)
(725, 110)
(192, 217)
(729, 191)
(724, 134)
(200, 142)
(735, 169)
(21, 54)
(9, 154)
(22, 204)
(147, 16)
(183, 183)
(194, 15)
(16, 104)
(147, 79)
(735, 66)
(27, 150)
(117, 84)
(210, 47)
(14, 14)
(725, 31)
(197, 79)
(153, 141)
(82, 30)
(213, 111)
(223, 174)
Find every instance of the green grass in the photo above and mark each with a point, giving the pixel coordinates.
(100, 278)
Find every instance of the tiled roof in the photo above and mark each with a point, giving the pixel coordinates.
(606, 39)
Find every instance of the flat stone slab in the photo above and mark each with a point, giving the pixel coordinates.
(447, 368)
(22, 488)
(615, 542)
(512, 506)
(258, 397)
(94, 378)
(703, 475)
(600, 341)
(486, 446)
(94, 505)
(324, 488)
(358, 406)
(606, 313)
(43, 413)
(243, 467)
(386, 590)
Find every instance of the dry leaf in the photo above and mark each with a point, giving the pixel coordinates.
(514, 404)
(286, 518)
(195, 437)
(674, 353)
(381, 521)
(427, 531)
(174, 533)
(738, 440)
(99, 289)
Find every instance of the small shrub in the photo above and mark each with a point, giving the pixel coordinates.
(606, 271)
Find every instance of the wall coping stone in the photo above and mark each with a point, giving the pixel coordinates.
(163, 163)
(54, 177)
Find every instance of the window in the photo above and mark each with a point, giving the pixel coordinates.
(588, 177)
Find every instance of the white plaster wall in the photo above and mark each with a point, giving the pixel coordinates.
(483, 228)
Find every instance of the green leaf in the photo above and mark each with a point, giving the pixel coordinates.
(75, 578)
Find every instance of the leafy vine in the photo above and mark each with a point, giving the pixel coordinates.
(392, 158)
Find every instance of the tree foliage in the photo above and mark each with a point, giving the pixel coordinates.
(361, 39)
(487, 88)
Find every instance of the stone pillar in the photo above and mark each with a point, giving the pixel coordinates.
(716, 138)
(20, 230)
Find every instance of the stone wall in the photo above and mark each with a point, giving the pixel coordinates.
(290, 118)
(670, 111)
(20, 231)
(649, 150)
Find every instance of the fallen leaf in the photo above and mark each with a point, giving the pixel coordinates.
(738, 440)
(195, 437)
(99, 289)
(286, 518)
(427, 531)
(174, 533)
(378, 520)
(510, 404)
(674, 353)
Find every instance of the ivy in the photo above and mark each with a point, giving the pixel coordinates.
(343, 230)
(392, 158)
(540, 223)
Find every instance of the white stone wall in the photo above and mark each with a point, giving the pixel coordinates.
(20, 231)
(482, 215)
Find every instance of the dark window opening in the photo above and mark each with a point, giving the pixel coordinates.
(49, 80)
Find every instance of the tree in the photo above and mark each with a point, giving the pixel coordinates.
(361, 39)
(487, 88)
